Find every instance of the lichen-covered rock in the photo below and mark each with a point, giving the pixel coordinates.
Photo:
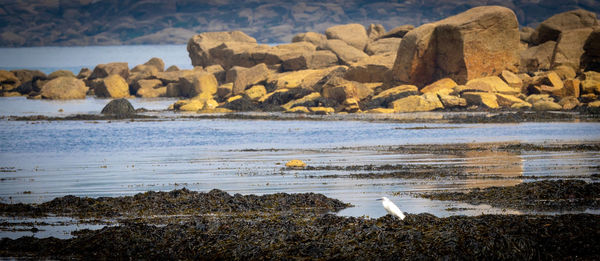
(113, 86)
(384, 45)
(511, 79)
(345, 53)
(198, 47)
(199, 84)
(354, 35)
(591, 58)
(488, 100)
(569, 103)
(8, 81)
(60, 73)
(64, 88)
(415, 103)
(551, 28)
(442, 86)
(479, 42)
(150, 89)
(119, 107)
(572, 88)
(310, 60)
(339, 90)
(505, 100)
(310, 99)
(243, 77)
(104, 70)
(376, 68)
(321, 110)
(537, 57)
(157, 63)
(316, 39)
(384, 98)
(451, 101)
(569, 48)
(534, 98)
(493, 84)
(546, 106)
(255, 92)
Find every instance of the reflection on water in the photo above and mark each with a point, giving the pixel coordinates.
(506, 165)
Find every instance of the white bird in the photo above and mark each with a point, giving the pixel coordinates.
(391, 208)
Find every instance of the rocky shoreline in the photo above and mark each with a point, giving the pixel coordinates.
(455, 64)
(246, 232)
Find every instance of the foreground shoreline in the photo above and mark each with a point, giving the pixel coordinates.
(249, 227)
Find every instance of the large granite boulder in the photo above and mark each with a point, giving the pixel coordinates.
(113, 86)
(591, 57)
(64, 88)
(376, 68)
(104, 70)
(31, 80)
(198, 46)
(316, 39)
(60, 73)
(119, 107)
(310, 60)
(385, 45)
(415, 60)
(569, 48)
(479, 42)
(306, 79)
(354, 35)
(244, 77)
(149, 88)
(537, 57)
(157, 63)
(384, 98)
(200, 84)
(415, 103)
(8, 81)
(551, 28)
(345, 53)
(340, 90)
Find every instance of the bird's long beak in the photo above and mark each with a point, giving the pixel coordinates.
(379, 199)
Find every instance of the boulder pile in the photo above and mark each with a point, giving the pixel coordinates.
(478, 59)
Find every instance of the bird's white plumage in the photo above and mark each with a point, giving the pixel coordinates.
(391, 208)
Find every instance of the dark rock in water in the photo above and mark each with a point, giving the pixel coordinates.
(242, 104)
(119, 108)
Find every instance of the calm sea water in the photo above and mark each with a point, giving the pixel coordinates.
(50, 59)
(99, 158)
(43, 160)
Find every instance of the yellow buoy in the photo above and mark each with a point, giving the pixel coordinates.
(295, 164)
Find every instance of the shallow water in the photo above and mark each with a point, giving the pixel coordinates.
(43, 160)
(73, 58)
(21, 106)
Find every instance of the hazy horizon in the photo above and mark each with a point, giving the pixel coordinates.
(112, 22)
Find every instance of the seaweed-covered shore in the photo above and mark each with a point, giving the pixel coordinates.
(176, 202)
(553, 195)
(182, 224)
(327, 236)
